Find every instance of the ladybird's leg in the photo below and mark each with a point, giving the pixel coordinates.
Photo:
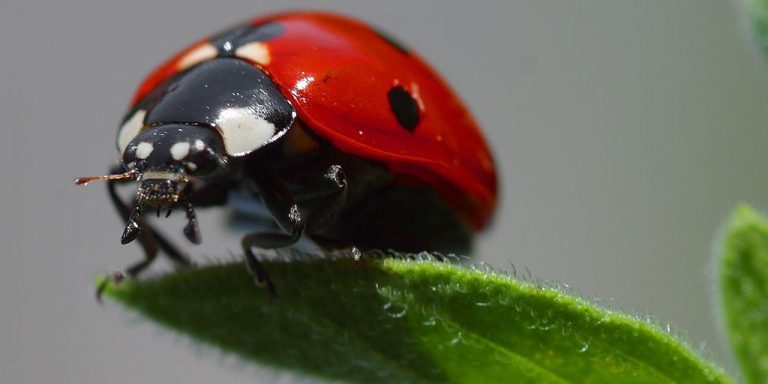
(332, 205)
(286, 213)
(203, 193)
(257, 270)
(149, 239)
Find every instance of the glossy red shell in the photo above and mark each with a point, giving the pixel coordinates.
(337, 72)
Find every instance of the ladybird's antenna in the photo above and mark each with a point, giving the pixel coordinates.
(123, 176)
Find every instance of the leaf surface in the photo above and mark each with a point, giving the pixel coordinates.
(395, 320)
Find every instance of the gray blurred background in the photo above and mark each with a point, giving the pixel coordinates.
(624, 131)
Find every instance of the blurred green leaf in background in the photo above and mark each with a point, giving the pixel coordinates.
(744, 290)
(756, 12)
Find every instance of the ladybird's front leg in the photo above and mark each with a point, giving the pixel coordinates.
(209, 192)
(149, 239)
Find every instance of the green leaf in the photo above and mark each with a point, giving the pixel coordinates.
(744, 290)
(396, 320)
(757, 13)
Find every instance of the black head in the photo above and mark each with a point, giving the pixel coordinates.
(164, 158)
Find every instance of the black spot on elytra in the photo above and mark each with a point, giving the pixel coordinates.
(228, 41)
(392, 41)
(405, 108)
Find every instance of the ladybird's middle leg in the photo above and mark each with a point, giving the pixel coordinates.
(257, 270)
(285, 212)
(334, 201)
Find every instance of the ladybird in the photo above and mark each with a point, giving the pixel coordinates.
(343, 134)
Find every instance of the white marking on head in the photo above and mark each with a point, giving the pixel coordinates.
(144, 149)
(199, 145)
(203, 52)
(242, 131)
(130, 129)
(256, 52)
(180, 150)
(192, 166)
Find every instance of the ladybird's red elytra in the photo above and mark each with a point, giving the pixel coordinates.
(342, 133)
